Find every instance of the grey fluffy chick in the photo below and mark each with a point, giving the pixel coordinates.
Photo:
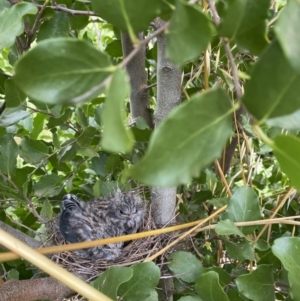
(111, 216)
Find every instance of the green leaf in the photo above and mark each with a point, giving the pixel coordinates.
(224, 277)
(86, 136)
(60, 70)
(286, 149)
(287, 250)
(48, 186)
(68, 151)
(258, 285)
(38, 125)
(116, 138)
(185, 266)
(244, 206)
(8, 155)
(241, 250)
(287, 32)
(227, 227)
(12, 24)
(98, 165)
(4, 4)
(109, 281)
(13, 274)
(231, 17)
(46, 211)
(189, 133)
(55, 121)
(130, 15)
(7, 119)
(270, 93)
(33, 151)
(288, 122)
(56, 27)
(13, 96)
(186, 23)
(78, 22)
(209, 289)
(142, 284)
(252, 32)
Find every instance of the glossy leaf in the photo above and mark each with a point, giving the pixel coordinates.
(271, 93)
(57, 26)
(231, 17)
(224, 277)
(289, 122)
(130, 15)
(287, 32)
(190, 298)
(13, 96)
(209, 289)
(185, 266)
(188, 133)
(11, 22)
(227, 227)
(86, 136)
(78, 22)
(186, 23)
(8, 155)
(258, 285)
(115, 137)
(142, 284)
(241, 250)
(33, 151)
(287, 250)
(286, 149)
(244, 206)
(48, 186)
(109, 281)
(61, 70)
(7, 119)
(252, 32)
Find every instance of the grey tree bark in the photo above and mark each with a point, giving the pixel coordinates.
(139, 96)
(168, 96)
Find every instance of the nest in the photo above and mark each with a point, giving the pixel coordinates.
(133, 252)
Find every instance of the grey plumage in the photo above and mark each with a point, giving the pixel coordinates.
(116, 215)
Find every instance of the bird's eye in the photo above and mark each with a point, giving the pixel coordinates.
(121, 212)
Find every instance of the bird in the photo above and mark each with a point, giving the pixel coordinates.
(110, 216)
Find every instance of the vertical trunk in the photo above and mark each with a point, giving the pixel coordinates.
(168, 96)
(139, 96)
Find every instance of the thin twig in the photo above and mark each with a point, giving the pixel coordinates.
(24, 197)
(72, 12)
(226, 46)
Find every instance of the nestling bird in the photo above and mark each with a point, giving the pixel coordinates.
(105, 217)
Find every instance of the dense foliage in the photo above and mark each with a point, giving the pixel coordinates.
(63, 129)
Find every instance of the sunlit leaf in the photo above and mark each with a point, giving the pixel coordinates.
(192, 135)
(241, 250)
